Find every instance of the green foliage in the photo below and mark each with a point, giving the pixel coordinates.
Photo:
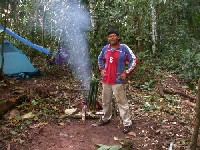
(2, 103)
(178, 43)
(178, 33)
(150, 103)
(35, 102)
(146, 72)
(149, 107)
(147, 86)
(172, 99)
(183, 60)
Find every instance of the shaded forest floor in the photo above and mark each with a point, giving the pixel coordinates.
(39, 123)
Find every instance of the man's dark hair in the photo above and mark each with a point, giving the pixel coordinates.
(113, 31)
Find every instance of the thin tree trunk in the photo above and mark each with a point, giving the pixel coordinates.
(154, 26)
(43, 26)
(92, 11)
(194, 145)
(2, 49)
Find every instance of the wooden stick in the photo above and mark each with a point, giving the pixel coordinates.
(79, 116)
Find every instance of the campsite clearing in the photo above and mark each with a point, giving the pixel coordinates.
(38, 123)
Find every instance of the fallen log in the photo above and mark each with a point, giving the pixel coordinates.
(167, 91)
(5, 106)
(19, 95)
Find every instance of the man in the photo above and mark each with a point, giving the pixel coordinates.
(112, 61)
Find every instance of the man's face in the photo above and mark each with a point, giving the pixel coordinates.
(113, 39)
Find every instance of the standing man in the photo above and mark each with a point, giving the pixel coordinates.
(112, 61)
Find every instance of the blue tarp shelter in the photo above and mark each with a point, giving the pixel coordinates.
(16, 63)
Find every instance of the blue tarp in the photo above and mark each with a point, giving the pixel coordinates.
(39, 48)
(16, 63)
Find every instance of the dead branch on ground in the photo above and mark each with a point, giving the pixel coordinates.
(163, 91)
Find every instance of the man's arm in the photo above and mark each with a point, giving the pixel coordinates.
(101, 62)
(132, 59)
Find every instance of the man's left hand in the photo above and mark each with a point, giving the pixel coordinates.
(123, 76)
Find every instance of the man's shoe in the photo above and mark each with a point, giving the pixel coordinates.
(102, 123)
(127, 129)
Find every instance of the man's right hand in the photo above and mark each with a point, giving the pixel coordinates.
(103, 72)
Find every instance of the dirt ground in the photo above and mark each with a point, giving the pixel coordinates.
(154, 128)
(75, 135)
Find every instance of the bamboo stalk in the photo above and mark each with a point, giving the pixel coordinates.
(95, 95)
(92, 97)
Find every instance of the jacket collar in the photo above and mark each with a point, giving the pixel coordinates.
(118, 46)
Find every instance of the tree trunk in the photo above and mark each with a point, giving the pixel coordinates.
(92, 11)
(2, 49)
(194, 145)
(43, 26)
(154, 26)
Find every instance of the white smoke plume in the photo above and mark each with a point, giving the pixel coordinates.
(72, 22)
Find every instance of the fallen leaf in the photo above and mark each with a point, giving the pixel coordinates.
(38, 125)
(132, 134)
(13, 132)
(28, 116)
(14, 113)
(13, 100)
(70, 111)
(116, 138)
(94, 125)
(61, 123)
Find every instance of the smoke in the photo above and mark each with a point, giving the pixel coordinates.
(71, 23)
